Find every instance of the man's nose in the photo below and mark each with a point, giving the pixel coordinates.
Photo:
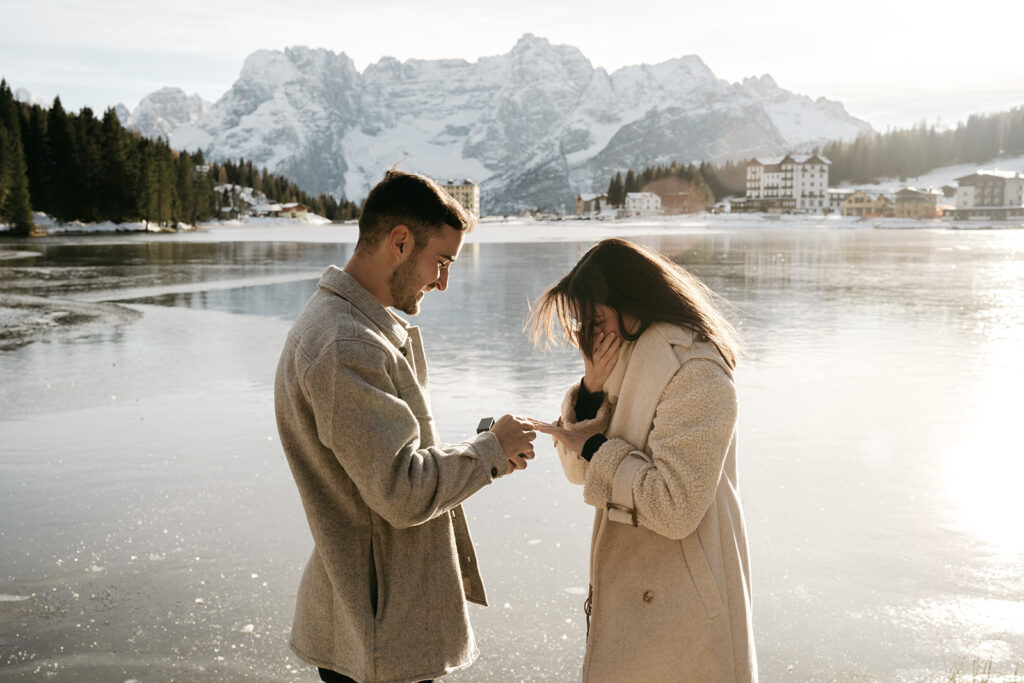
(442, 281)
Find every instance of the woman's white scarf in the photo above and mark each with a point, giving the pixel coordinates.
(635, 385)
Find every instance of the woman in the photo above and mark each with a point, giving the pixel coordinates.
(650, 433)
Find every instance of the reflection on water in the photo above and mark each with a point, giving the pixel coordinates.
(147, 512)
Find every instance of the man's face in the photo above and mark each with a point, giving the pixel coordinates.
(424, 270)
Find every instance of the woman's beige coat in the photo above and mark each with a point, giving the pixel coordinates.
(670, 596)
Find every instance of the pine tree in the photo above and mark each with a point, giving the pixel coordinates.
(63, 167)
(115, 183)
(15, 203)
(615, 192)
(16, 208)
(186, 189)
(90, 166)
(631, 184)
(37, 154)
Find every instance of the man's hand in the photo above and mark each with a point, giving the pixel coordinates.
(599, 368)
(515, 436)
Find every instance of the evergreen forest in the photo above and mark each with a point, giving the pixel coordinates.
(80, 167)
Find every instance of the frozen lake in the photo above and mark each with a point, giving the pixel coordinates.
(150, 529)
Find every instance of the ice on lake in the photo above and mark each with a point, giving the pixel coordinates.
(878, 455)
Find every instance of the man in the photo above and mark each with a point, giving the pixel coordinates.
(383, 596)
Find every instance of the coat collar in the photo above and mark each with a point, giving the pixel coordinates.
(393, 327)
(647, 370)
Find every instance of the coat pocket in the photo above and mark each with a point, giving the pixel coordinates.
(376, 583)
(701, 575)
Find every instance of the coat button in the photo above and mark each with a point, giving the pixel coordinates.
(494, 472)
(648, 596)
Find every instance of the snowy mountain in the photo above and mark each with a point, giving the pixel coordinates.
(162, 112)
(124, 115)
(26, 96)
(533, 126)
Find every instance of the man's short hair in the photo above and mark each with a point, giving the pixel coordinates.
(413, 200)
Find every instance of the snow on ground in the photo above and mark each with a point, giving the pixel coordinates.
(53, 227)
(495, 229)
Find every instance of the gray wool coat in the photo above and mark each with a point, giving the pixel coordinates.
(670, 586)
(383, 596)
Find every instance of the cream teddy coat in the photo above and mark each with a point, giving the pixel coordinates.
(383, 596)
(670, 596)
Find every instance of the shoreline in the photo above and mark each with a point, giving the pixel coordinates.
(49, 228)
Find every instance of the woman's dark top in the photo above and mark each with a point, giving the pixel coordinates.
(587, 405)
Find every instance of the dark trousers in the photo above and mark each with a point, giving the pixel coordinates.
(334, 677)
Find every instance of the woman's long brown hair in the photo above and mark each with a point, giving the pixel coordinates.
(633, 281)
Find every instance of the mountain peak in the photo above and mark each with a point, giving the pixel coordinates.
(267, 68)
(763, 83)
(528, 40)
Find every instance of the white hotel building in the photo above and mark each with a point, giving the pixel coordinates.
(642, 204)
(795, 182)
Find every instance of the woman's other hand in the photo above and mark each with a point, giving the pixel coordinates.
(598, 368)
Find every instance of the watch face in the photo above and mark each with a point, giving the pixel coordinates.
(485, 425)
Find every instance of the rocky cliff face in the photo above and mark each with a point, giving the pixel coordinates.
(533, 126)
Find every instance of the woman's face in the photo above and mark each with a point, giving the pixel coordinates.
(606, 321)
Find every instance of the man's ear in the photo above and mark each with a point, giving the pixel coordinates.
(400, 242)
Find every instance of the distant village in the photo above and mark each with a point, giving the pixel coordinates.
(799, 184)
(792, 184)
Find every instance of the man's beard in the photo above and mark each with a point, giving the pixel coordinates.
(403, 289)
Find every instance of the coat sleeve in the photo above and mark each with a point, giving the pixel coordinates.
(375, 436)
(573, 465)
(693, 429)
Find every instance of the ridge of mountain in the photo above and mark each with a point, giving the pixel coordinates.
(534, 126)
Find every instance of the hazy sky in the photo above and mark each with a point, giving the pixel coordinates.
(891, 62)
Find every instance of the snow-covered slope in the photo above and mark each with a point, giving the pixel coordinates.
(943, 176)
(803, 122)
(534, 126)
